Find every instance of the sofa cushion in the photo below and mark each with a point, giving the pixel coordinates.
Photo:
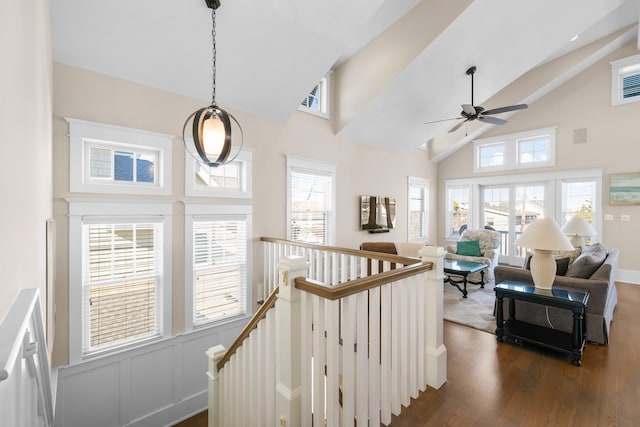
(562, 264)
(468, 248)
(588, 262)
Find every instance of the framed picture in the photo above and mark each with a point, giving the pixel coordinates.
(51, 278)
(624, 189)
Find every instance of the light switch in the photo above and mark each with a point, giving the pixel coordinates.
(625, 217)
(608, 217)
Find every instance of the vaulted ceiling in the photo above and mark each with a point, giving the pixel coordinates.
(396, 63)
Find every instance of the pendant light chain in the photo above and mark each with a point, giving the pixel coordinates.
(213, 52)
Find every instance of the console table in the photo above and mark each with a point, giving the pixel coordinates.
(572, 343)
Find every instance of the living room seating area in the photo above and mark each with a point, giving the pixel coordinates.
(594, 272)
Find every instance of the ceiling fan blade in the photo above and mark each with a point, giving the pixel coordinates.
(457, 126)
(469, 109)
(492, 120)
(505, 109)
(443, 120)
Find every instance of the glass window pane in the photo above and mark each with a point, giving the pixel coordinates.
(458, 210)
(492, 155)
(311, 201)
(145, 168)
(100, 163)
(123, 166)
(534, 150)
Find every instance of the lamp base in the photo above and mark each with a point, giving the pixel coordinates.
(577, 240)
(543, 269)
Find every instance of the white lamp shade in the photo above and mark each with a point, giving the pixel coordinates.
(213, 135)
(578, 225)
(544, 234)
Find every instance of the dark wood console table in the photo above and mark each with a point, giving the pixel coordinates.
(572, 343)
(463, 269)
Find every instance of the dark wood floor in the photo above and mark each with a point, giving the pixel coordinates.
(499, 384)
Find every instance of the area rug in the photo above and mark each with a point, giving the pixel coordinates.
(475, 311)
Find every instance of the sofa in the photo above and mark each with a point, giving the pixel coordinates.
(603, 297)
(488, 242)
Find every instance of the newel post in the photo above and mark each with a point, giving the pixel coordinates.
(214, 354)
(436, 351)
(288, 343)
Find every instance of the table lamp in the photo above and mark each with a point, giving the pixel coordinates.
(578, 227)
(543, 236)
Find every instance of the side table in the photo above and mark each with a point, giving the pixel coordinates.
(572, 343)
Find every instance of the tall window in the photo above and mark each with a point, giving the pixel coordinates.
(310, 201)
(579, 198)
(217, 262)
(458, 213)
(317, 101)
(121, 285)
(418, 196)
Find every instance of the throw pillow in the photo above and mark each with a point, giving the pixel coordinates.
(588, 262)
(468, 248)
(562, 264)
(573, 254)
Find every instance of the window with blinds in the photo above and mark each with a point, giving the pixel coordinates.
(220, 275)
(418, 197)
(311, 207)
(317, 101)
(625, 80)
(122, 283)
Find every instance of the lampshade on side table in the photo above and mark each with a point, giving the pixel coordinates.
(543, 236)
(578, 227)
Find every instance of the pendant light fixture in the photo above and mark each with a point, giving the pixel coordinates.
(211, 128)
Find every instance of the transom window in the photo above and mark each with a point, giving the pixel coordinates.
(529, 149)
(625, 80)
(230, 180)
(118, 160)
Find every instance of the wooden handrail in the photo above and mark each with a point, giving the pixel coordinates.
(346, 251)
(268, 304)
(358, 285)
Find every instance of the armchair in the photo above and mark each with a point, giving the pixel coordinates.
(489, 243)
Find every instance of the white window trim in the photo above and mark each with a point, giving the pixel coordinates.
(471, 204)
(245, 156)
(110, 135)
(619, 68)
(553, 208)
(78, 209)
(413, 181)
(325, 98)
(312, 166)
(195, 211)
(512, 148)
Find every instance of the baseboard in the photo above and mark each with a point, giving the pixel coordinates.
(628, 276)
(172, 414)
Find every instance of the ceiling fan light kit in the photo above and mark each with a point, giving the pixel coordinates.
(472, 112)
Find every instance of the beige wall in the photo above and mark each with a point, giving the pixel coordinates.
(613, 144)
(361, 169)
(25, 137)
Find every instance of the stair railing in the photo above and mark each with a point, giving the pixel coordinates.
(354, 352)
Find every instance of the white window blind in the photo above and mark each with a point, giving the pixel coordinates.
(418, 197)
(122, 283)
(311, 207)
(219, 269)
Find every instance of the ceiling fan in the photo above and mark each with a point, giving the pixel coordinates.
(472, 112)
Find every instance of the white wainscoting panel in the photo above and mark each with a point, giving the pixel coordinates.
(155, 385)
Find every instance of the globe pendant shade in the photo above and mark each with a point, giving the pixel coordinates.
(212, 135)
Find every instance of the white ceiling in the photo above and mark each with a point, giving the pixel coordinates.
(272, 52)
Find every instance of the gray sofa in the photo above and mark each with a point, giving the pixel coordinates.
(602, 299)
